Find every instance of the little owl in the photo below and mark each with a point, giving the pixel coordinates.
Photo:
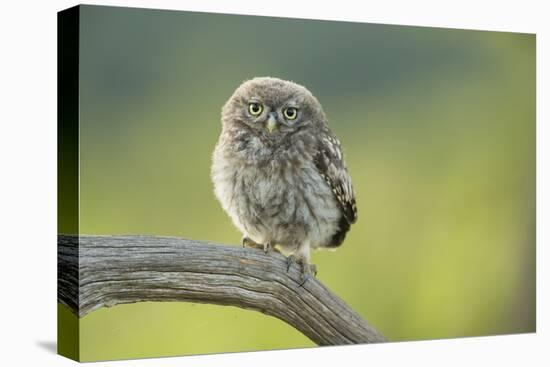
(279, 171)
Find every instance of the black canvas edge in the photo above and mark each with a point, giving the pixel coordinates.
(68, 33)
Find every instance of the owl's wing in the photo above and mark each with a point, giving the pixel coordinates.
(329, 161)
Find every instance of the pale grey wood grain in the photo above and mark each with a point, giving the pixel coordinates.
(112, 270)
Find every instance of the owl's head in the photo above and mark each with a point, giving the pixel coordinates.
(273, 107)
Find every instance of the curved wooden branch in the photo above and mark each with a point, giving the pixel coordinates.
(98, 271)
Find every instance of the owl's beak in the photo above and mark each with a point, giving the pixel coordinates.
(271, 123)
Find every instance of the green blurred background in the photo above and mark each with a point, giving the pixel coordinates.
(438, 127)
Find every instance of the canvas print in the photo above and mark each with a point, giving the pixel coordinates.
(232, 183)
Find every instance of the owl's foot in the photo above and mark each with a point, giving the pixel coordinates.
(267, 247)
(247, 242)
(308, 270)
(291, 259)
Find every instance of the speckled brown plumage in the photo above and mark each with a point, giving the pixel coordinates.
(279, 171)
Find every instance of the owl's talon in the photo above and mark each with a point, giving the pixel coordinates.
(305, 278)
(291, 259)
(266, 247)
(309, 271)
(313, 269)
(247, 242)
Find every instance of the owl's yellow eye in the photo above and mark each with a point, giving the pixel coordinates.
(255, 108)
(290, 113)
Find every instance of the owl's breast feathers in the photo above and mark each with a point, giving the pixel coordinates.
(329, 161)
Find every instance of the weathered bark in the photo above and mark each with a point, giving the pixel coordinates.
(112, 270)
